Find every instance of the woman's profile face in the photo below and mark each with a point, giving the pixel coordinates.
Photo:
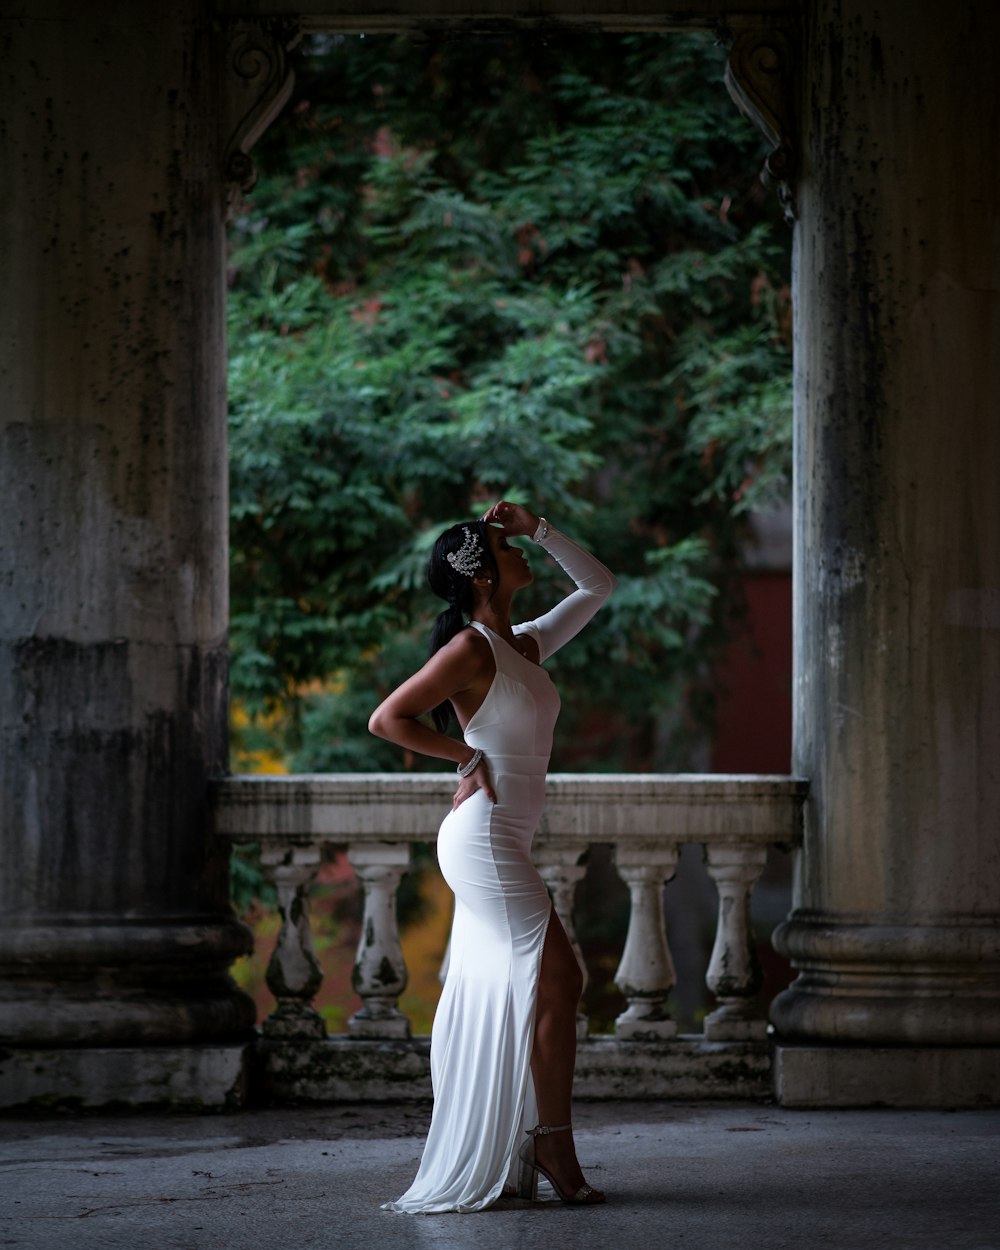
(512, 565)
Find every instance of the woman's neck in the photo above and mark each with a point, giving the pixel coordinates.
(496, 615)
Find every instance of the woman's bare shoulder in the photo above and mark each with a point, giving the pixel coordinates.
(468, 651)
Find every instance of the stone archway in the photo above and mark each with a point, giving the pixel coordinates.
(115, 928)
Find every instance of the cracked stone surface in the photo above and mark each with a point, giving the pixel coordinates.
(688, 1176)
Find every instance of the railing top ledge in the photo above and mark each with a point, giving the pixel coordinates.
(618, 807)
(709, 785)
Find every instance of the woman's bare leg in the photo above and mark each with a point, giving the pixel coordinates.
(553, 1057)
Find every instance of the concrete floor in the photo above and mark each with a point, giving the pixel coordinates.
(677, 1175)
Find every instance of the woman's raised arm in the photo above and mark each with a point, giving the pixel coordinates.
(594, 583)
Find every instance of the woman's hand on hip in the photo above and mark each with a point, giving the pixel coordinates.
(514, 518)
(478, 779)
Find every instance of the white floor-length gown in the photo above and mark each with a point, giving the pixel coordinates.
(483, 1029)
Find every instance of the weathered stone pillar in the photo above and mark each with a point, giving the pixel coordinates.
(897, 567)
(379, 975)
(115, 926)
(646, 972)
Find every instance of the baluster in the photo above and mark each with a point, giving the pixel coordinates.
(379, 975)
(734, 975)
(646, 972)
(294, 973)
(560, 870)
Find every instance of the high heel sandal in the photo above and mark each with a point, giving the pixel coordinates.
(527, 1179)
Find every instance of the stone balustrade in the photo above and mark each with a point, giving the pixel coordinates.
(646, 818)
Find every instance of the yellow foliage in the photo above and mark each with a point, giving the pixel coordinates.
(423, 946)
(246, 760)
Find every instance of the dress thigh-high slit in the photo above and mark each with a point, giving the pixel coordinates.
(483, 1033)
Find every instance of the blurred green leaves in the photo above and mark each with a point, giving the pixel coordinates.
(533, 266)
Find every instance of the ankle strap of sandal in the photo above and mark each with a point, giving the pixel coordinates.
(540, 1130)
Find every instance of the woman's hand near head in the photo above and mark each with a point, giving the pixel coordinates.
(513, 517)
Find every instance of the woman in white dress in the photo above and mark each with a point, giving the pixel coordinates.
(503, 1044)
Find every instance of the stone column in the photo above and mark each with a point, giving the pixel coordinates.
(379, 975)
(734, 974)
(115, 926)
(294, 974)
(646, 972)
(897, 565)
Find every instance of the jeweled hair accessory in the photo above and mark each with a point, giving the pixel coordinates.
(467, 559)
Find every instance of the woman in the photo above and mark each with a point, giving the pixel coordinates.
(503, 1045)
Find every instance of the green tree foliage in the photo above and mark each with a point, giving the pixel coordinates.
(530, 266)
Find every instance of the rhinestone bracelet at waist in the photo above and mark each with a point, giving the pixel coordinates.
(464, 770)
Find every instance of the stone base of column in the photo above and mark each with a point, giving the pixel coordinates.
(812, 1075)
(118, 984)
(735, 1022)
(386, 1024)
(893, 985)
(174, 1078)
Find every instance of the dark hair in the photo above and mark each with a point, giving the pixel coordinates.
(456, 589)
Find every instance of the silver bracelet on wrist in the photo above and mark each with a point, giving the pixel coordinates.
(464, 770)
(542, 532)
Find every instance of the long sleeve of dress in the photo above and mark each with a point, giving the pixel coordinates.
(594, 583)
